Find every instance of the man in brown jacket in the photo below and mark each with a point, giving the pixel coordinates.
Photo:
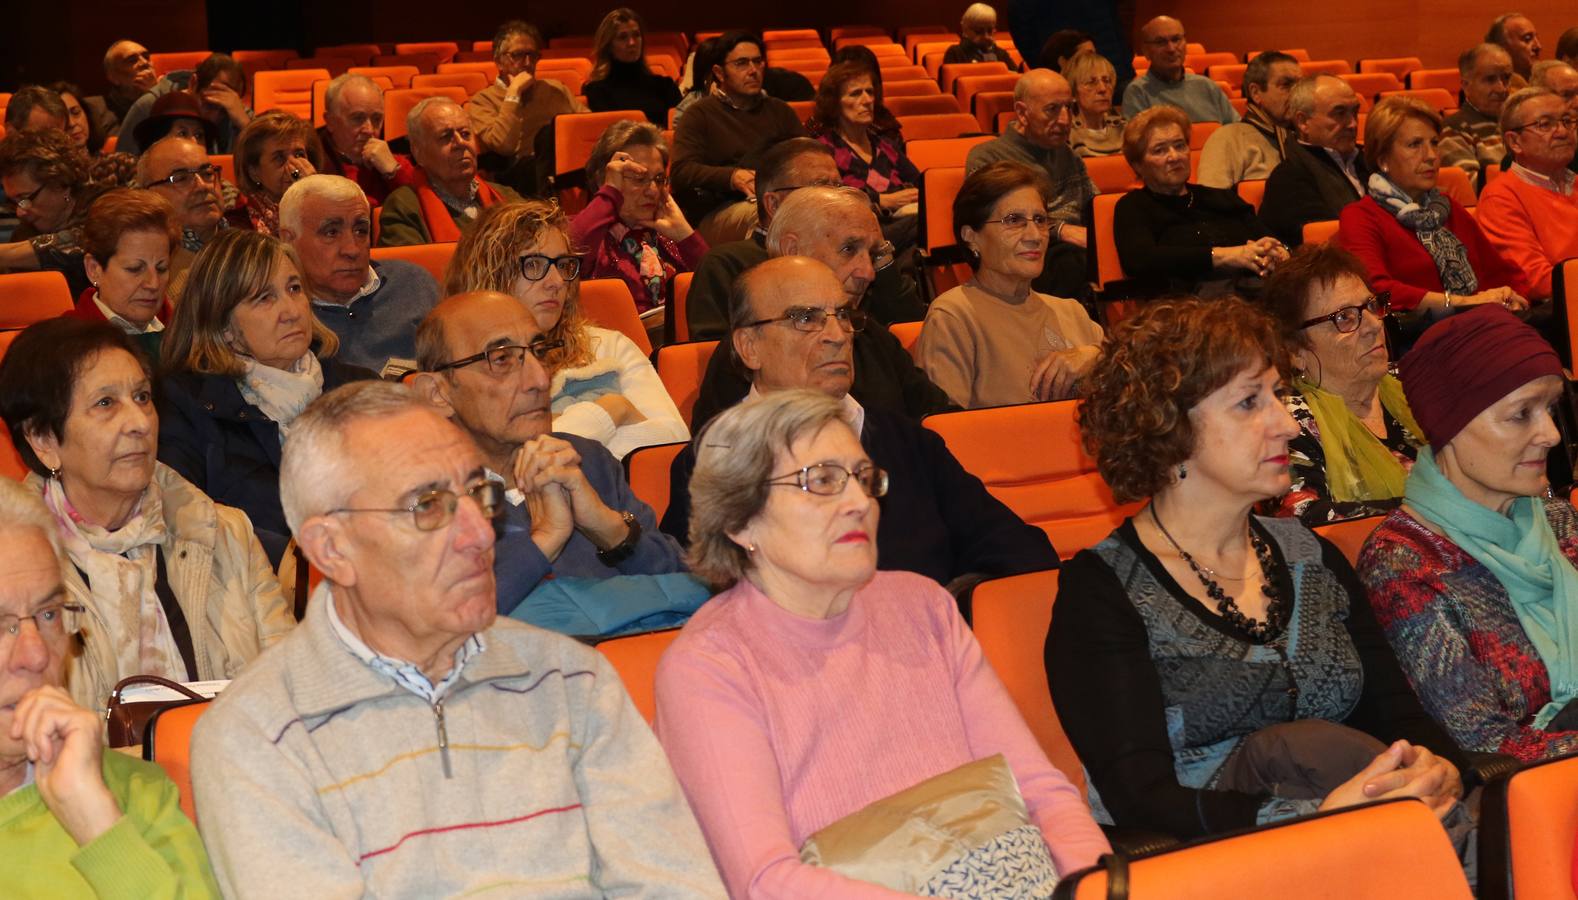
(509, 113)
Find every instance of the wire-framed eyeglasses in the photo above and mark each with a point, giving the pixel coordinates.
(812, 319)
(829, 479)
(505, 358)
(434, 509)
(50, 622)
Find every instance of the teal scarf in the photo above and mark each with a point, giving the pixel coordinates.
(1521, 551)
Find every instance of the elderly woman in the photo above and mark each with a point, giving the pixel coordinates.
(844, 118)
(127, 242)
(1177, 237)
(1419, 245)
(1213, 669)
(882, 119)
(1357, 438)
(632, 229)
(1473, 579)
(779, 674)
(993, 341)
(173, 583)
(603, 387)
(1098, 127)
(243, 357)
(77, 822)
(621, 78)
(45, 176)
(273, 152)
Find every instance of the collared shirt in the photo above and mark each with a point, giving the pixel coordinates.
(124, 324)
(191, 241)
(467, 208)
(1349, 165)
(1561, 184)
(405, 674)
(370, 286)
(854, 413)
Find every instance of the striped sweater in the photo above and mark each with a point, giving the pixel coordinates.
(315, 776)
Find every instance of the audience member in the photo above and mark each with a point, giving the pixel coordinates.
(218, 84)
(1323, 170)
(80, 126)
(978, 39)
(183, 115)
(703, 60)
(1530, 214)
(486, 752)
(1471, 137)
(352, 138)
(1357, 438)
(127, 241)
(805, 606)
(46, 177)
(1286, 674)
(1560, 78)
(1567, 46)
(722, 138)
(275, 151)
(1098, 125)
(844, 119)
(173, 583)
(1472, 577)
(79, 822)
(1515, 33)
(1249, 149)
(1173, 236)
(35, 108)
(244, 357)
(795, 329)
(1419, 245)
(994, 341)
(1162, 42)
(129, 70)
(568, 511)
(882, 119)
(447, 196)
(374, 307)
(621, 78)
(179, 170)
(1062, 47)
(509, 113)
(632, 228)
(1044, 112)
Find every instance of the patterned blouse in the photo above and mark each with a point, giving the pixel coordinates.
(1309, 498)
(1104, 141)
(889, 170)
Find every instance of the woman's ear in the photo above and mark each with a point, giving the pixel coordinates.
(45, 446)
(743, 538)
(94, 268)
(968, 236)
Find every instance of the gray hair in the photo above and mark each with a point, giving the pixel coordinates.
(1469, 58)
(413, 119)
(1539, 75)
(1301, 99)
(333, 188)
(22, 508)
(1498, 27)
(622, 135)
(144, 164)
(978, 12)
(331, 96)
(808, 211)
(1509, 110)
(735, 455)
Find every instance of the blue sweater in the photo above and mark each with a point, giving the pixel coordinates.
(382, 325)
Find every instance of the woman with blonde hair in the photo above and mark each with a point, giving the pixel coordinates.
(1098, 126)
(273, 152)
(621, 78)
(604, 388)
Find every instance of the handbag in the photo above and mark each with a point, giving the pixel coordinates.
(126, 721)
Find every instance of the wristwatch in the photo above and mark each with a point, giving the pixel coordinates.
(621, 551)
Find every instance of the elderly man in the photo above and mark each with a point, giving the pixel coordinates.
(353, 138)
(447, 196)
(1162, 42)
(795, 327)
(1530, 213)
(1560, 78)
(405, 742)
(837, 227)
(1250, 149)
(1323, 170)
(179, 170)
(1044, 112)
(35, 108)
(1471, 137)
(129, 70)
(978, 39)
(569, 512)
(1515, 33)
(509, 113)
(76, 821)
(719, 141)
(374, 307)
(217, 83)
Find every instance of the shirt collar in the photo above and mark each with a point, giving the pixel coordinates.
(457, 204)
(854, 413)
(405, 674)
(1561, 184)
(370, 286)
(126, 325)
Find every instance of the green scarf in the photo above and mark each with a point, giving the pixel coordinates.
(1358, 465)
(1521, 551)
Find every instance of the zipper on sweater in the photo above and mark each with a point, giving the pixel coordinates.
(443, 736)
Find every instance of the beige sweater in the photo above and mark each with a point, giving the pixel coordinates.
(510, 128)
(1234, 153)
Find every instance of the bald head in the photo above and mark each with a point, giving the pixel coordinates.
(1559, 78)
(1162, 42)
(782, 353)
(1044, 107)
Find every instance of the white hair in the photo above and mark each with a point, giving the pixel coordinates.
(22, 508)
(979, 12)
(413, 119)
(810, 210)
(333, 188)
(331, 96)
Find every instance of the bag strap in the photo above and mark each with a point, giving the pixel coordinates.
(175, 615)
(134, 680)
(1117, 866)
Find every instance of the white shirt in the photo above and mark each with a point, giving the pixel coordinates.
(1561, 184)
(124, 324)
(372, 284)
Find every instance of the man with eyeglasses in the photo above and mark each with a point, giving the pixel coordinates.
(509, 113)
(179, 170)
(374, 306)
(978, 39)
(722, 137)
(1471, 137)
(446, 196)
(795, 327)
(353, 138)
(1322, 171)
(1162, 41)
(1248, 150)
(403, 740)
(1530, 213)
(569, 512)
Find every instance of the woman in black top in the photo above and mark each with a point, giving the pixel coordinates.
(621, 78)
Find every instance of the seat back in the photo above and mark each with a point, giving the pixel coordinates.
(444, 50)
(432, 257)
(399, 102)
(677, 309)
(1232, 73)
(469, 82)
(1564, 294)
(928, 104)
(1349, 536)
(287, 89)
(635, 658)
(1253, 192)
(647, 472)
(1446, 79)
(1320, 232)
(937, 127)
(337, 65)
(1457, 184)
(908, 334)
(680, 367)
(1200, 132)
(358, 54)
(926, 154)
(1202, 62)
(941, 255)
(1397, 66)
(1325, 67)
(1528, 823)
(399, 76)
(992, 107)
(609, 303)
(1108, 269)
(28, 297)
(1111, 174)
(167, 740)
(575, 134)
(952, 72)
(488, 69)
(1055, 488)
(968, 86)
(165, 63)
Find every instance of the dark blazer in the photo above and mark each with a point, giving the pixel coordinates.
(1307, 186)
(226, 446)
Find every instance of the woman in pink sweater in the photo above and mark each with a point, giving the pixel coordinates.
(815, 685)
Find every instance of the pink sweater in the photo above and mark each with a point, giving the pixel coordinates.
(778, 725)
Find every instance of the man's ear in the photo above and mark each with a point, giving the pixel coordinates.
(745, 348)
(287, 235)
(434, 388)
(789, 244)
(1513, 140)
(322, 541)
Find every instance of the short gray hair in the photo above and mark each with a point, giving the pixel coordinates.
(21, 507)
(331, 96)
(1301, 99)
(1469, 58)
(735, 455)
(1539, 75)
(807, 211)
(333, 188)
(623, 135)
(413, 119)
(1509, 110)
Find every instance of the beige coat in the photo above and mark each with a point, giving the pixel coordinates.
(509, 129)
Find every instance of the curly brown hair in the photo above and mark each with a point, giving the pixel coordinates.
(1154, 368)
(47, 156)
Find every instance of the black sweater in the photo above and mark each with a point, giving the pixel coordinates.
(1165, 241)
(633, 86)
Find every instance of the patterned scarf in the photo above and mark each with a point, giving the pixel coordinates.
(1279, 135)
(282, 394)
(1428, 221)
(263, 213)
(639, 245)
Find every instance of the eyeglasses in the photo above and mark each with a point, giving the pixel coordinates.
(24, 201)
(182, 177)
(1548, 124)
(882, 255)
(1052, 109)
(812, 319)
(746, 62)
(1347, 318)
(829, 479)
(50, 622)
(534, 266)
(821, 182)
(435, 509)
(642, 182)
(505, 358)
(520, 56)
(1020, 221)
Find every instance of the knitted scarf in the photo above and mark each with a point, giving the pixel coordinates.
(1427, 220)
(281, 394)
(263, 213)
(1278, 134)
(1358, 465)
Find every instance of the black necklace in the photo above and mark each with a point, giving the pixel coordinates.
(1259, 632)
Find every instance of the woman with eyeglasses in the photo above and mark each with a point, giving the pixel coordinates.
(244, 356)
(603, 387)
(45, 177)
(173, 583)
(844, 118)
(814, 684)
(631, 228)
(1357, 438)
(1098, 126)
(993, 341)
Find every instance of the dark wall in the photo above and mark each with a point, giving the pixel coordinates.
(44, 40)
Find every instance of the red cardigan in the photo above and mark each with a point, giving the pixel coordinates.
(89, 311)
(1398, 261)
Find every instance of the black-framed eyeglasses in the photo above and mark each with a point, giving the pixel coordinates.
(821, 182)
(1347, 319)
(505, 358)
(182, 177)
(1019, 221)
(829, 479)
(434, 509)
(520, 56)
(1548, 124)
(50, 622)
(535, 266)
(24, 201)
(812, 319)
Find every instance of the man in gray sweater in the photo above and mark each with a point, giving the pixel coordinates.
(402, 742)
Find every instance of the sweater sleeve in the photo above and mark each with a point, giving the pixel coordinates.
(1493, 269)
(947, 354)
(639, 383)
(690, 168)
(153, 851)
(497, 124)
(1509, 227)
(1292, 201)
(1360, 232)
(519, 565)
(655, 552)
(1139, 251)
(691, 252)
(590, 225)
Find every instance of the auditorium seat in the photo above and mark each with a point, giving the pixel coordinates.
(399, 76)
(647, 472)
(1349, 536)
(1446, 79)
(468, 82)
(946, 152)
(1368, 85)
(358, 54)
(1399, 66)
(1232, 73)
(287, 89)
(488, 70)
(1528, 823)
(398, 104)
(424, 63)
(803, 108)
(1202, 62)
(263, 59)
(336, 65)
(969, 86)
(635, 658)
(903, 72)
(167, 740)
(680, 367)
(432, 257)
(680, 327)
(908, 333)
(165, 63)
(1325, 67)
(608, 302)
(1108, 270)
(915, 40)
(1320, 232)
(933, 103)
(28, 297)
(1253, 192)
(443, 51)
(943, 262)
(990, 106)
(914, 87)
(1111, 174)
(952, 72)
(1564, 291)
(937, 127)
(574, 136)
(1438, 99)
(1200, 132)
(1457, 184)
